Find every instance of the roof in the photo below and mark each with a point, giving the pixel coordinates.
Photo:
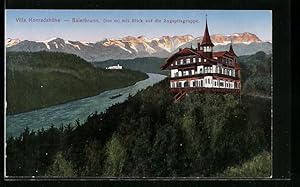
(219, 53)
(188, 51)
(206, 41)
(231, 50)
(182, 52)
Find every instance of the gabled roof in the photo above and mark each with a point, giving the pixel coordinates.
(186, 52)
(182, 52)
(219, 53)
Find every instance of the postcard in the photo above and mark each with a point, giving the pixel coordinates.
(138, 93)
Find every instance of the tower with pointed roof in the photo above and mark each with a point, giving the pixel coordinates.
(203, 70)
(206, 44)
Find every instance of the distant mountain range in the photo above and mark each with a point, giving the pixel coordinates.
(134, 47)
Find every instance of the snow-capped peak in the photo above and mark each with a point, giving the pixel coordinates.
(11, 42)
(47, 41)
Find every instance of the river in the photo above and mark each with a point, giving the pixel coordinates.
(71, 111)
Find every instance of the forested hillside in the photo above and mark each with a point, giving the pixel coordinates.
(150, 135)
(256, 73)
(42, 79)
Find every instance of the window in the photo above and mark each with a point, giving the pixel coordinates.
(181, 61)
(188, 60)
(221, 84)
(199, 59)
(176, 63)
(194, 60)
(172, 64)
(194, 83)
(204, 60)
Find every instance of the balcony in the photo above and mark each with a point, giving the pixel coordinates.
(205, 90)
(202, 73)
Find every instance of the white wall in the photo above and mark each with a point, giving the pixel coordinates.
(208, 81)
(198, 69)
(214, 69)
(180, 73)
(191, 83)
(173, 71)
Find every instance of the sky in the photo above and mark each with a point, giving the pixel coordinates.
(258, 22)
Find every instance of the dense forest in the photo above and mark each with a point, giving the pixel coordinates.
(256, 73)
(42, 79)
(150, 135)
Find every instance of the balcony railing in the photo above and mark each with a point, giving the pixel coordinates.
(204, 89)
(202, 72)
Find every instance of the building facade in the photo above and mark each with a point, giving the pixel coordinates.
(114, 67)
(204, 70)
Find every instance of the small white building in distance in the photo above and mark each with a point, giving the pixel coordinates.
(114, 67)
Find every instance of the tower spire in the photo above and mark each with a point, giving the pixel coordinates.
(206, 41)
(231, 49)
